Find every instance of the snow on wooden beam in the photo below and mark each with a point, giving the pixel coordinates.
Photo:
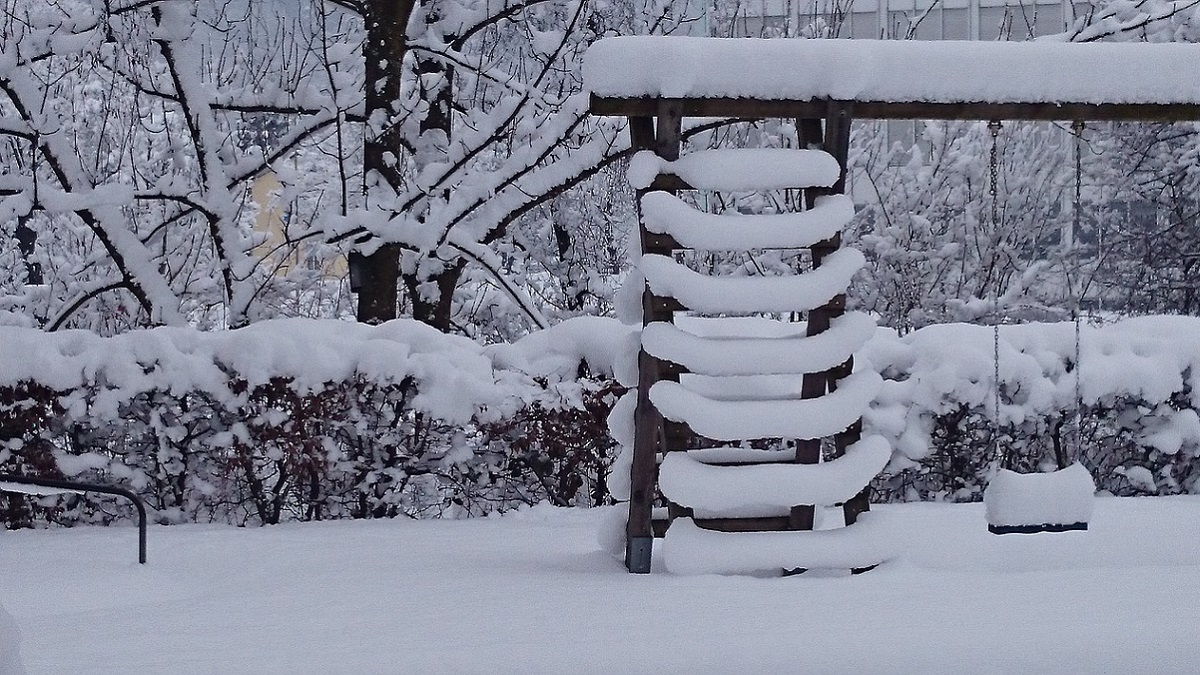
(760, 355)
(665, 213)
(889, 79)
(739, 169)
(770, 489)
(687, 549)
(736, 420)
(882, 110)
(749, 294)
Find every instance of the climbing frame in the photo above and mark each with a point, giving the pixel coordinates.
(701, 398)
(734, 509)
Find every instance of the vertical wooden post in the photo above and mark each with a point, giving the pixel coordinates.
(810, 135)
(837, 143)
(639, 534)
(837, 138)
(648, 423)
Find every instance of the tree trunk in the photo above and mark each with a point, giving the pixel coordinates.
(377, 295)
(435, 311)
(386, 45)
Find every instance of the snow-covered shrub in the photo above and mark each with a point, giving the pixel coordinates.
(557, 452)
(28, 411)
(1139, 431)
(303, 419)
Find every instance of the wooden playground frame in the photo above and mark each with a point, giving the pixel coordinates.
(655, 123)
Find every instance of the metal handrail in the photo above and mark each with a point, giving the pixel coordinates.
(90, 487)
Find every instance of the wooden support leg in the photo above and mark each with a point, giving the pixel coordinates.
(639, 532)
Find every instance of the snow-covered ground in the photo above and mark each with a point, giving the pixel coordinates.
(532, 593)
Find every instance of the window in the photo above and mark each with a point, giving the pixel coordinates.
(956, 23)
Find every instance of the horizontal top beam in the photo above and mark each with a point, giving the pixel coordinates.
(885, 110)
(896, 79)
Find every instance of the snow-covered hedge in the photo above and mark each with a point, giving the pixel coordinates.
(322, 419)
(308, 419)
(1138, 377)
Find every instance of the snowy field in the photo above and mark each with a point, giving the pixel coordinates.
(532, 593)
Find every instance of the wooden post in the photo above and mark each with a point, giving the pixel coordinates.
(639, 535)
(810, 135)
(648, 423)
(837, 143)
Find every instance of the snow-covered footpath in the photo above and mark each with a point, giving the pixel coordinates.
(532, 593)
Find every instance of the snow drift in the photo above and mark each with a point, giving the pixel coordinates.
(10, 646)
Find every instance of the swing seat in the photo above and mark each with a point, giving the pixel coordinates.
(1059, 501)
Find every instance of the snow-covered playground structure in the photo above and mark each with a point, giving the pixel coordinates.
(706, 384)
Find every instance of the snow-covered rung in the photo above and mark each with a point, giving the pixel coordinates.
(766, 490)
(688, 549)
(795, 293)
(757, 355)
(786, 418)
(664, 213)
(739, 169)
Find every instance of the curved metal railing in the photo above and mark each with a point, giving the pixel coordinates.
(74, 486)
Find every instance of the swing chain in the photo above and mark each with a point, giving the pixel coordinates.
(993, 167)
(1078, 128)
(993, 191)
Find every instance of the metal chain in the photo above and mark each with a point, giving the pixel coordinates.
(1075, 299)
(993, 180)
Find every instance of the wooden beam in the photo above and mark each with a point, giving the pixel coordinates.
(664, 243)
(911, 110)
(772, 524)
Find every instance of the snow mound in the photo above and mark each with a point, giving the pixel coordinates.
(10, 645)
(1061, 497)
(560, 348)
(689, 549)
(770, 489)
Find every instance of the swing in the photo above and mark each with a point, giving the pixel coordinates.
(1057, 501)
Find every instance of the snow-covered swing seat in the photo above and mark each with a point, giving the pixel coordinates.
(748, 513)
